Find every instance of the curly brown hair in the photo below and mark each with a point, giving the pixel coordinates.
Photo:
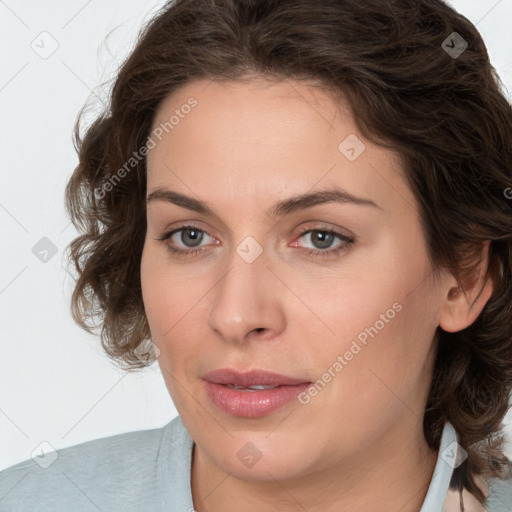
(413, 87)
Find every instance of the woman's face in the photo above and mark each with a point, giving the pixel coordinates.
(334, 294)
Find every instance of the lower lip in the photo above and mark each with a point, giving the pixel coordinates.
(252, 404)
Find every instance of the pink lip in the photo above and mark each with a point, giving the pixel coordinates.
(251, 404)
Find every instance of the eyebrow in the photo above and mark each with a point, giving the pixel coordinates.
(284, 207)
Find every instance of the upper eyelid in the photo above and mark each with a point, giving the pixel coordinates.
(302, 231)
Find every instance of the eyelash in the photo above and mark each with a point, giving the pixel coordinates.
(310, 252)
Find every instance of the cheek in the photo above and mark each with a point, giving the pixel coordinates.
(168, 304)
(173, 300)
(377, 337)
(386, 360)
(160, 305)
(166, 292)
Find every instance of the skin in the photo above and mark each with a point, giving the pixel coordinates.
(358, 445)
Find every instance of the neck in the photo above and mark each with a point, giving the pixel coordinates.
(393, 473)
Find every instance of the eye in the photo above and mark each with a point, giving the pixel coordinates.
(191, 236)
(322, 240)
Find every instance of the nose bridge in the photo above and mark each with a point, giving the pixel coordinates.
(243, 299)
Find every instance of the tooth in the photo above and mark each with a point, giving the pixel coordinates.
(254, 388)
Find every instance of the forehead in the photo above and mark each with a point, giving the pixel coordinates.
(261, 109)
(266, 137)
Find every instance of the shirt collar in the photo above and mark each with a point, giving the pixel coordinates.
(449, 457)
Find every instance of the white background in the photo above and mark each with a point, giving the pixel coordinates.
(56, 384)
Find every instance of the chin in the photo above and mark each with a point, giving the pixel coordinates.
(257, 458)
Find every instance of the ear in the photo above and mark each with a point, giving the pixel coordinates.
(460, 311)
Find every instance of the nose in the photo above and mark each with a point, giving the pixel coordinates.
(247, 302)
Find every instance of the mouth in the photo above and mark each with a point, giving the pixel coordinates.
(251, 394)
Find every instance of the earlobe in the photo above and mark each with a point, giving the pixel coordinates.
(461, 309)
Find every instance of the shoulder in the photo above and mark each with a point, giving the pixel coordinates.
(499, 498)
(87, 476)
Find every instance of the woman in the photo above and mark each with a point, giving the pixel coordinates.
(303, 210)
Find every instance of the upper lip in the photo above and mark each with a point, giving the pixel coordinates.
(251, 378)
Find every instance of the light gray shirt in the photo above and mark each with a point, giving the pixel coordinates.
(149, 470)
